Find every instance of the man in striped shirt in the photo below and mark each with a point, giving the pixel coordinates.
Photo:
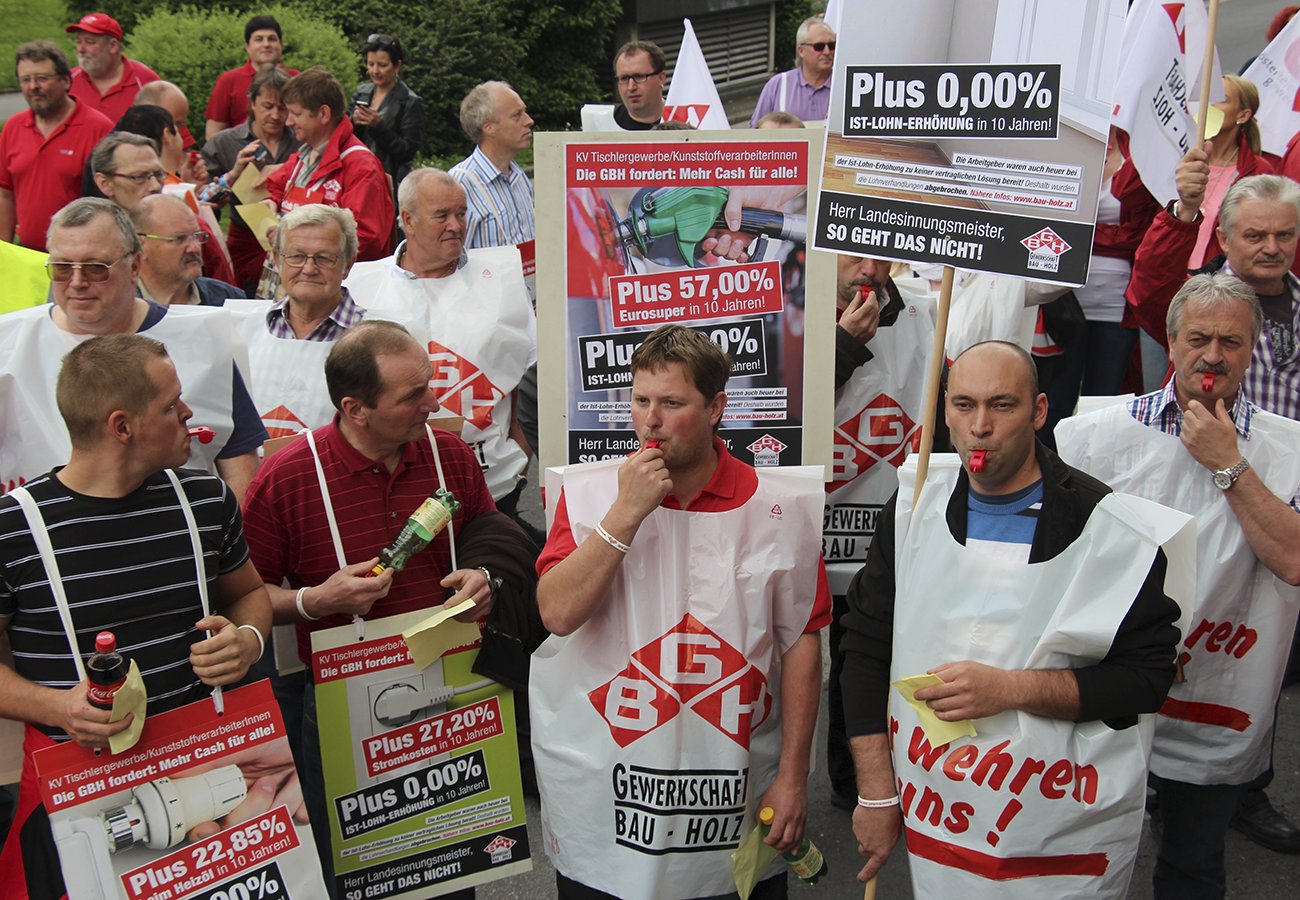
(126, 561)
(499, 194)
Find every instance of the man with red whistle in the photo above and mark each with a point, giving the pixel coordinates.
(1200, 446)
(706, 572)
(990, 585)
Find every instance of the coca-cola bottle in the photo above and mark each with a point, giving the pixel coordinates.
(105, 671)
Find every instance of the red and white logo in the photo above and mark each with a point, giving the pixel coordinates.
(1046, 240)
(462, 387)
(881, 432)
(500, 849)
(1179, 18)
(691, 113)
(767, 451)
(691, 667)
(281, 422)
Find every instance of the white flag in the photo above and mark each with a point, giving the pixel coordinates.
(1276, 72)
(1161, 58)
(832, 16)
(692, 98)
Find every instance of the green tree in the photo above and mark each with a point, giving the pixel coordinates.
(192, 47)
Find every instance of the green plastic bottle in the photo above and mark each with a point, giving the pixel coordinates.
(420, 530)
(806, 862)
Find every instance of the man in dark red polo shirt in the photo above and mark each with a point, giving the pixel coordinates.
(105, 80)
(43, 149)
(686, 591)
(228, 105)
(378, 463)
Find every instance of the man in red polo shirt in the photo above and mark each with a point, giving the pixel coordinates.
(43, 149)
(333, 166)
(228, 105)
(379, 463)
(686, 591)
(105, 80)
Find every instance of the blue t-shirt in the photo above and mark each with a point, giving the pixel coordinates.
(1004, 525)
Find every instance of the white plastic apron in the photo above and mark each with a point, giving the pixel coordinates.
(877, 424)
(598, 117)
(1233, 670)
(689, 642)
(286, 377)
(955, 603)
(330, 520)
(33, 438)
(482, 337)
(989, 308)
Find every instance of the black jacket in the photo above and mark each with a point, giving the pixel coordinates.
(396, 138)
(1133, 678)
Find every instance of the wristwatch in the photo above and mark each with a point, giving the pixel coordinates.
(1226, 478)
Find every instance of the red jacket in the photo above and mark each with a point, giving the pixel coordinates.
(350, 177)
(1136, 209)
(1163, 260)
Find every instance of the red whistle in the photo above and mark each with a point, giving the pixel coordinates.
(1207, 382)
(203, 433)
(977, 460)
(864, 290)
(652, 444)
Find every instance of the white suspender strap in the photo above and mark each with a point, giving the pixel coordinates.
(442, 483)
(36, 524)
(201, 571)
(785, 79)
(359, 622)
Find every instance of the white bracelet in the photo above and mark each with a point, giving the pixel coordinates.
(611, 540)
(302, 610)
(877, 804)
(261, 641)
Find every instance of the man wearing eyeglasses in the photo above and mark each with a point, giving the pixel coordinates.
(105, 80)
(641, 73)
(171, 255)
(126, 168)
(44, 148)
(805, 90)
(94, 263)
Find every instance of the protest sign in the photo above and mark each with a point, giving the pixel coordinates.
(1276, 72)
(976, 142)
(646, 241)
(201, 808)
(421, 766)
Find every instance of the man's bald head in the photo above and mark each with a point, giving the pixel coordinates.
(148, 209)
(1000, 353)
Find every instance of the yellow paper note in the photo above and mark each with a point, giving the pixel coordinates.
(260, 220)
(434, 636)
(130, 698)
(246, 186)
(1213, 120)
(936, 730)
(750, 860)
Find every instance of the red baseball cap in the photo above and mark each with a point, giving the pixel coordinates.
(97, 23)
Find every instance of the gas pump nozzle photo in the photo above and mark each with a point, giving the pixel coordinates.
(667, 225)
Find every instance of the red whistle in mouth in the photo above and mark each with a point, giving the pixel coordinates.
(652, 444)
(1207, 382)
(203, 433)
(977, 460)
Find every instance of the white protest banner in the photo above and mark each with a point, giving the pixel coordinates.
(1163, 55)
(976, 142)
(1276, 72)
(692, 96)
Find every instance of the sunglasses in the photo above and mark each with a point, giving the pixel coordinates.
(91, 271)
(819, 46)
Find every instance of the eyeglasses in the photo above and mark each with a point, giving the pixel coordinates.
(322, 260)
(176, 240)
(819, 46)
(638, 78)
(91, 271)
(39, 80)
(143, 178)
